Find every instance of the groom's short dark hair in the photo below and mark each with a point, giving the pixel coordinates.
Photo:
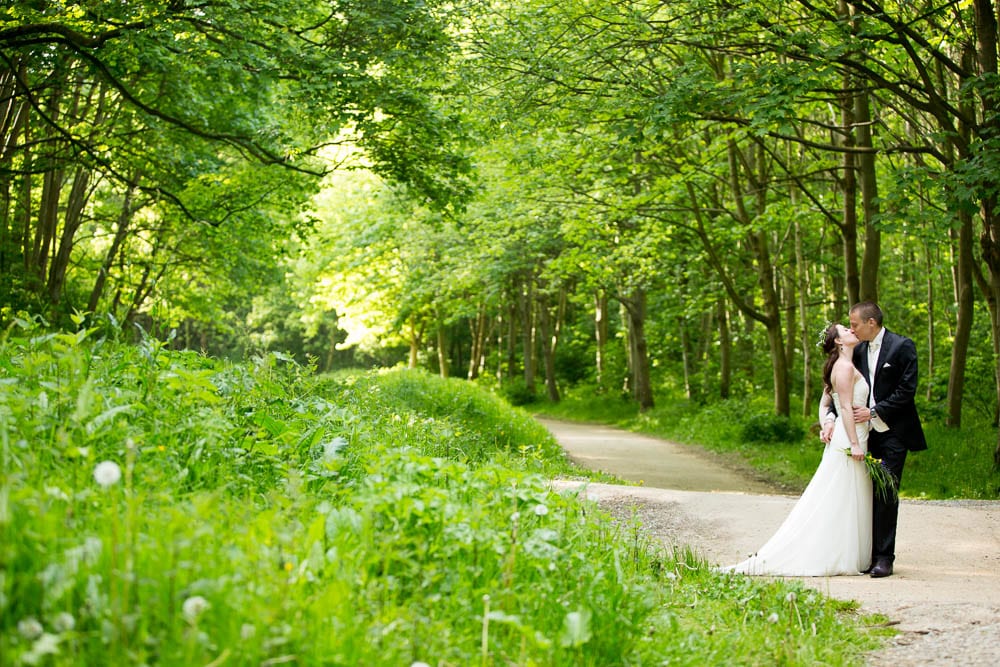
(867, 310)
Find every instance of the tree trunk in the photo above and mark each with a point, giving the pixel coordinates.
(72, 220)
(849, 184)
(963, 326)
(872, 256)
(45, 231)
(511, 346)
(725, 349)
(807, 340)
(528, 335)
(600, 334)
(685, 355)
(121, 232)
(635, 308)
(549, 339)
(479, 333)
(442, 349)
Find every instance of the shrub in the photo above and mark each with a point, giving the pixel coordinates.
(771, 428)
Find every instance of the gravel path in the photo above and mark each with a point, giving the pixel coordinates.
(944, 596)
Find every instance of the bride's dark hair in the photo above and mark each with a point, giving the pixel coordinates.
(830, 347)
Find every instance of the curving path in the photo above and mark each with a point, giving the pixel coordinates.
(944, 596)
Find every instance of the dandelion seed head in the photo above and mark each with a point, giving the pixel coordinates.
(47, 644)
(773, 618)
(419, 663)
(515, 516)
(63, 622)
(194, 607)
(30, 628)
(107, 473)
(247, 631)
(541, 510)
(791, 597)
(56, 492)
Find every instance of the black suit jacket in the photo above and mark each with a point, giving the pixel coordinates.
(895, 387)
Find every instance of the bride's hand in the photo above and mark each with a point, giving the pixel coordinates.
(826, 432)
(857, 453)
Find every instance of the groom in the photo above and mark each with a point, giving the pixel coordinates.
(889, 363)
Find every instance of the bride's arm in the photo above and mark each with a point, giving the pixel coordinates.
(843, 379)
(826, 416)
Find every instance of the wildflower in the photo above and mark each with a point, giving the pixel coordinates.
(541, 510)
(56, 492)
(107, 473)
(64, 622)
(247, 630)
(515, 516)
(773, 618)
(791, 597)
(419, 663)
(194, 607)
(47, 644)
(30, 628)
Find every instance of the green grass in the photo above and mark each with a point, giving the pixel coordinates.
(268, 516)
(957, 464)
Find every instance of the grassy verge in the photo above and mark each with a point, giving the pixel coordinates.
(163, 508)
(957, 464)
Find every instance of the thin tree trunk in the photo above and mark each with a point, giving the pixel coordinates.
(549, 339)
(528, 335)
(442, 349)
(635, 307)
(72, 220)
(871, 259)
(725, 349)
(686, 354)
(121, 233)
(600, 334)
(511, 346)
(804, 335)
(849, 223)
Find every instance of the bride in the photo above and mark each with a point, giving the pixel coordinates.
(829, 530)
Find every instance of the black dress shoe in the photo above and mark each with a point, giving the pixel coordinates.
(882, 568)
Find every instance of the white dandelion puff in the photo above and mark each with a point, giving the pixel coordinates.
(63, 622)
(30, 628)
(107, 473)
(194, 607)
(541, 510)
(773, 618)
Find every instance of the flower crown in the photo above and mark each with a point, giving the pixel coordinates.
(821, 340)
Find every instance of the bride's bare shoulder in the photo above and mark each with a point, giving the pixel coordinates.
(842, 375)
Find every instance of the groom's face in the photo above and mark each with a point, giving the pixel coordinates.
(863, 329)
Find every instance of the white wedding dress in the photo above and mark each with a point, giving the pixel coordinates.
(829, 530)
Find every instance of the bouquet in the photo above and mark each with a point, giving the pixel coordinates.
(884, 482)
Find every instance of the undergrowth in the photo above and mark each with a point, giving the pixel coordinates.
(165, 508)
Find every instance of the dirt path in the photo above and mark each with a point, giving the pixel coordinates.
(944, 596)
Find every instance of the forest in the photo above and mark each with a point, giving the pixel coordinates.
(643, 198)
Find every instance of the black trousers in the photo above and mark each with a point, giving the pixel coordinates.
(885, 513)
